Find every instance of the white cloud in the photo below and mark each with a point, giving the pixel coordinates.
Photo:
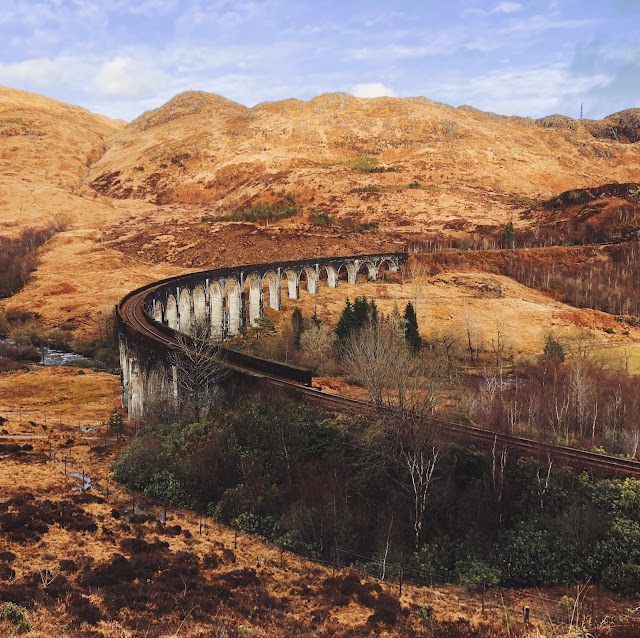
(44, 73)
(125, 77)
(507, 7)
(535, 92)
(372, 89)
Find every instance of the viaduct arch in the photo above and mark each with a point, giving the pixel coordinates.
(219, 303)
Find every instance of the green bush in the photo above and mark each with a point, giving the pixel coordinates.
(284, 208)
(475, 574)
(366, 189)
(16, 616)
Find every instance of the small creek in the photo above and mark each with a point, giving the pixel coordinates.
(51, 357)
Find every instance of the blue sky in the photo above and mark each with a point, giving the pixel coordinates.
(522, 57)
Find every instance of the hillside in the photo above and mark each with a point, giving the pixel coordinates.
(46, 150)
(151, 191)
(471, 168)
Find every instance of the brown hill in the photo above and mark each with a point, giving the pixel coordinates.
(146, 193)
(468, 167)
(46, 149)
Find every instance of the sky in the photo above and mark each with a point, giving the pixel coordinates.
(515, 57)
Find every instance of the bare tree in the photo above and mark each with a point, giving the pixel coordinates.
(317, 344)
(416, 456)
(379, 358)
(199, 372)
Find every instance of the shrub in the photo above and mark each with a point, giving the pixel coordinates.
(386, 610)
(15, 615)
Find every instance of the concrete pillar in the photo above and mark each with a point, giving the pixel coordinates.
(199, 308)
(234, 307)
(185, 323)
(157, 310)
(171, 312)
(275, 299)
(136, 390)
(312, 280)
(216, 310)
(124, 372)
(352, 271)
(332, 276)
(293, 284)
(255, 300)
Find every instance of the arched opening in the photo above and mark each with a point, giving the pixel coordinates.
(366, 272)
(271, 282)
(216, 306)
(310, 277)
(347, 272)
(234, 306)
(171, 314)
(387, 271)
(293, 284)
(330, 275)
(200, 309)
(254, 310)
(184, 311)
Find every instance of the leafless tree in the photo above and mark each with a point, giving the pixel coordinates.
(199, 372)
(416, 457)
(317, 344)
(379, 358)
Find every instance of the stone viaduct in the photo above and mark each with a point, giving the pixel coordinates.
(222, 303)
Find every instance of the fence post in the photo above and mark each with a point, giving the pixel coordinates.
(401, 573)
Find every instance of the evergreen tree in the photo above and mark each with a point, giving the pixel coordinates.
(411, 332)
(553, 349)
(508, 235)
(297, 325)
(361, 314)
(345, 324)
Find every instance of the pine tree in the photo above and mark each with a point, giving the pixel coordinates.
(297, 325)
(411, 332)
(345, 324)
(361, 314)
(508, 235)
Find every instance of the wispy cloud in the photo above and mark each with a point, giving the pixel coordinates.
(372, 89)
(125, 56)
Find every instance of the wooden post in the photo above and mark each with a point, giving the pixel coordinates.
(525, 614)
(401, 574)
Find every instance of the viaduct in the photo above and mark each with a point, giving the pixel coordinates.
(154, 320)
(224, 301)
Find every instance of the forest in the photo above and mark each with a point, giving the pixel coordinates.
(391, 490)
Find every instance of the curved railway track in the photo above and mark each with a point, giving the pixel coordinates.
(131, 311)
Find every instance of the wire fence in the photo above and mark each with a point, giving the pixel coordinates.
(514, 606)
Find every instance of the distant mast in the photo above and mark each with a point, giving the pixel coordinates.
(580, 110)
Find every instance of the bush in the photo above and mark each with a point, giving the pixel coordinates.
(15, 615)
(386, 610)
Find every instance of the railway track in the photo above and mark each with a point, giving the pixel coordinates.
(132, 313)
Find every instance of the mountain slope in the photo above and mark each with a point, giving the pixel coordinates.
(203, 150)
(46, 148)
